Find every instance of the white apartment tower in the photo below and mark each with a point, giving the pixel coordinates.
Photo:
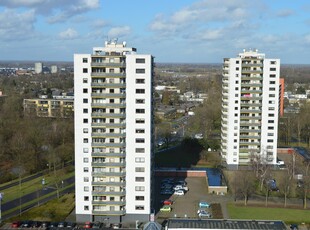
(113, 134)
(38, 67)
(250, 107)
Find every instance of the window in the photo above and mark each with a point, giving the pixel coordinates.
(85, 121)
(272, 95)
(272, 69)
(272, 89)
(85, 160)
(140, 101)
(111, 90)
(271, 108)
(236, 95)
(85, 90)
(139, 179)
(272, 62)
(86, 188)
(86, 207)
(140, 60)
(85, 110)
(139, 197)
(111, 110)
(111, 100)
(139, 130)
(85, 60)
(270, 141)
(86, 179)
(140, 70)
(272, 82)
(139, 160)
(139, 169)
(140, 110)
(237, 62)
(112, 121)
(85, 150)
(85, 140)
(85, 100)
(140, 121)
(140, 81)
(140, 150)
(270, 115)
(139, 140)
(270, 134)
(236, 108)
(86, 198)
(85, 169)
(272, 76)
(270, 128)
(139, 207)
(139, 188)
(237, 68)
(140, 91)
(270, 121)
(236, 88)
(85, 70)
(85, 80)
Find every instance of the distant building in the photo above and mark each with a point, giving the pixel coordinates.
(54, 69)
(250, 108)
(43, 107)
(38, 67)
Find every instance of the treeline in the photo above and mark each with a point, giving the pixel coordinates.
(29, 144)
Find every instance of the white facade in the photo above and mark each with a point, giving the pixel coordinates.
(38, 67)
(250, 107)
(54, 69)
(113, 134)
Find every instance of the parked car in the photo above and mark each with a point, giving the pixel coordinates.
(26, 224)
(37, 224)
(204, 213)
(272, 185)
(61, 224)
(181, 182)
(167, 202)
(204, 204)
(45, 224)
(15, 224)
(97, 225)
(179, 193)
(54, 225)
(166, 192)
(71, 225)
(164, 186)
(88, 225)
(166, 208)
(178, 187)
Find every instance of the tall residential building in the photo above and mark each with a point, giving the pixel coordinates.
(38, 67)
(250, 107)
(113, 134)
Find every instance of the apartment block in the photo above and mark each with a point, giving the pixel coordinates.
(114, 134)
(250, 108)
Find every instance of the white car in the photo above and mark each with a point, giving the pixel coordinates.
(203, 213)
(178, 187)
(179, 193)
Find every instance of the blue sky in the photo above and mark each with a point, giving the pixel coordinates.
(188, 31)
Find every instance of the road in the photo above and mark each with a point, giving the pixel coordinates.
(42, 191)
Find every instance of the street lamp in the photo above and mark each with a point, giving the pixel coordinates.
(1, 197)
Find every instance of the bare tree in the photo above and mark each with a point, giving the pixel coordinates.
(261, 167)
(285, 184)
(244, 184)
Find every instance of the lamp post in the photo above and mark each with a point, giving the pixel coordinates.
(1, 197)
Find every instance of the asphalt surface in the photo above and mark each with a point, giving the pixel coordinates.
(42, 191)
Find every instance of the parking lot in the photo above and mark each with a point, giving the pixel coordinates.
(186, 205)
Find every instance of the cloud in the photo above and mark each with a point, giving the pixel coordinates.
(199, 16)
(118, 32)
(68, 34)
(55, 10)
(16, 26)
(284, 13)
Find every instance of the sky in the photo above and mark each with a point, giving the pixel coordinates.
(174, 31)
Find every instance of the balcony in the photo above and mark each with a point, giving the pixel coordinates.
(110, 75)
(109, 183)
(109, 213)
(108, 64)
(109, 105)
(116, 174)
(115, 145)
(109, 95)
(110, 164)
(108, 202)
(109, 115)
(119, 135)
(108, 85)
(107, 154)
(102, 193)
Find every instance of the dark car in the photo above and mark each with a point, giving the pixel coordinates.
(26, 224)
(71, 225)
(15, 224)
(54, 225)
(45, 224)
(37, 224)
(61, 224)
(97, 225)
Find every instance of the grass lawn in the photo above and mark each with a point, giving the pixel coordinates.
(55, 210)
(34, 185)
(288, 215)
